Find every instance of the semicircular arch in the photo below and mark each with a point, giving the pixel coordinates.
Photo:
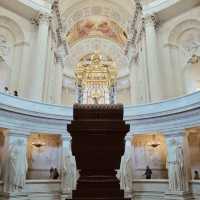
(104, 46)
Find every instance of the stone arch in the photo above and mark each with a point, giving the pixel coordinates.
(175, 33)
(180, 39)
(80, 11)
(106, 47)
(149, 149)
(194, 148)
(11, 35)
(13, 27)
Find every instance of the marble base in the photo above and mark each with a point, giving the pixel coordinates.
(128, 195)
(178, 196)
(65, 196)
(13, 196)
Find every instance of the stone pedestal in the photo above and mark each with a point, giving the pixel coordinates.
(65, 196)
(178, 196)
(98, 133)
(14, 196)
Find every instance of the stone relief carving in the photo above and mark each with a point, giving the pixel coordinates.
(190, 44)
(194, 59)
(4, 49)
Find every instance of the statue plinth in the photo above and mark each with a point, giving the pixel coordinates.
(179, 195)
(14, 196)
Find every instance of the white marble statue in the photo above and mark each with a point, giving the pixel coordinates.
(15, 167)
(181, 170)
(176, 168)
(70, 174)
(125, 173)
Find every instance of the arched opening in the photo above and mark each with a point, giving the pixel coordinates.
(149, 150)
(194, 150)
(44, 153)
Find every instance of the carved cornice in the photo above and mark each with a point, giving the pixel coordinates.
(20, 132)
(194, 60)
(178, 132)
(170, 117)
(41, 18)
(99, 106)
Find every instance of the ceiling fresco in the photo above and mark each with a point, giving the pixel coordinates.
(97, 26)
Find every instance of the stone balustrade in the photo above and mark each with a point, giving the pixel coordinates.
(22, 117)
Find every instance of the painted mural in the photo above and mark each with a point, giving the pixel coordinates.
(97, 26)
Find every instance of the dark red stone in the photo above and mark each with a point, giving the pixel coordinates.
(98, 133)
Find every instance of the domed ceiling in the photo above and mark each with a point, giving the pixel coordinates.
(97, 25)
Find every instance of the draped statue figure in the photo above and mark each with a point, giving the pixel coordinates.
(125, 173)
(181, 170)
(176, 168)
(70, 173)
(15, 167)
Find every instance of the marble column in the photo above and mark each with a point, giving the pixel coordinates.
(48, 93)
(178, 164)
(154, 70)
(37, 87)
(174, 86)
(15, 165)
(133, 82)
(58, 80)
(24, 74)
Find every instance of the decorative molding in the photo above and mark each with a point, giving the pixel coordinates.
(60, 29)
(44, 18)
(133, 32)
(171, 45)
(152, 20)
(22, 43)
(85, 12)
(194, 60)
